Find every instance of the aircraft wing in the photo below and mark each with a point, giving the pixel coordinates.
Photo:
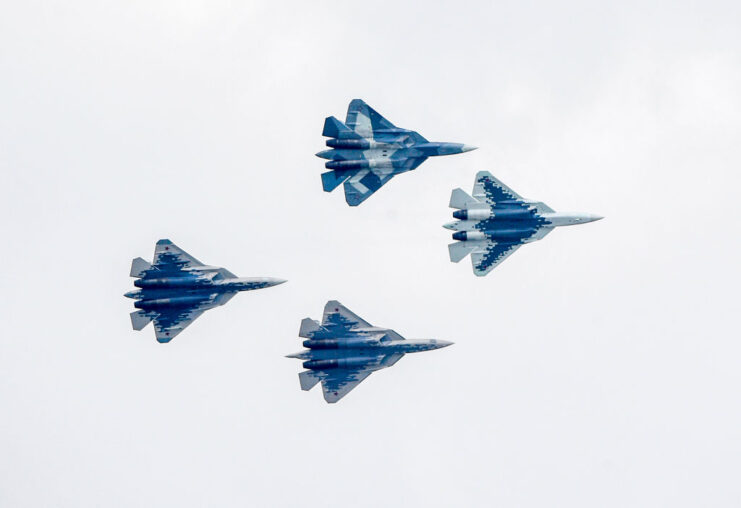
(337, 383)
(337, 314)
(489, 258)
(168, 324)
(488, 188)
(170, 257)
(364, 184)
(364, 120)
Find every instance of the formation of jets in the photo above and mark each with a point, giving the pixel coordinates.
(364, 153)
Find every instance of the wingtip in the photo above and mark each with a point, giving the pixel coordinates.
(352, 199)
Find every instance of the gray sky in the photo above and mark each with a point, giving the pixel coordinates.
(598, 367)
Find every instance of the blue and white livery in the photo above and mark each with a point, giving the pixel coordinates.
(367, 151)
(495, 221)
(176, 288)
(344, 349)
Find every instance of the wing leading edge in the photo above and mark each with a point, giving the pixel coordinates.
(491, 190)
(364, 120)
(168, 257)
(169, 322)
(336, 314)
(487, 259)
(337, 383)
(363, 185)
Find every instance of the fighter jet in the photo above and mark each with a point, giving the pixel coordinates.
(177, 288)
(344, 350)
(495, 221)
(368, 150)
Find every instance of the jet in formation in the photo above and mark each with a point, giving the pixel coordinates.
(367, 151)
(176, 288)
(495, 221)
(344, 350)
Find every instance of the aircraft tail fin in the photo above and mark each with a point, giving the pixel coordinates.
(308, 379)
(459, 250)
(333, 128)
(138, 267)
(308, 328)
(461, 199)
(139, 319)
(332, 179)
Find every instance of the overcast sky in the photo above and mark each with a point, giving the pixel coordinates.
(599, 367)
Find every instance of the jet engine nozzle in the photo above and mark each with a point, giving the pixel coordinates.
(336, 363)
(464, 236)
(352, 144)
(350, 164)
(475, 214)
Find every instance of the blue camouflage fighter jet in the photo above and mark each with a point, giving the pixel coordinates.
(496, 221)
(344, 350)
(176, 288)
(367, 151)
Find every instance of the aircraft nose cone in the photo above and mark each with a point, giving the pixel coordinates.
(131, 294)
(450, 225)
(274, 281)
(468, 148)
(443, 343)
(597, 217)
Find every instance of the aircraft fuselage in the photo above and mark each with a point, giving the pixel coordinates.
(357, 351)
(183, 291)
